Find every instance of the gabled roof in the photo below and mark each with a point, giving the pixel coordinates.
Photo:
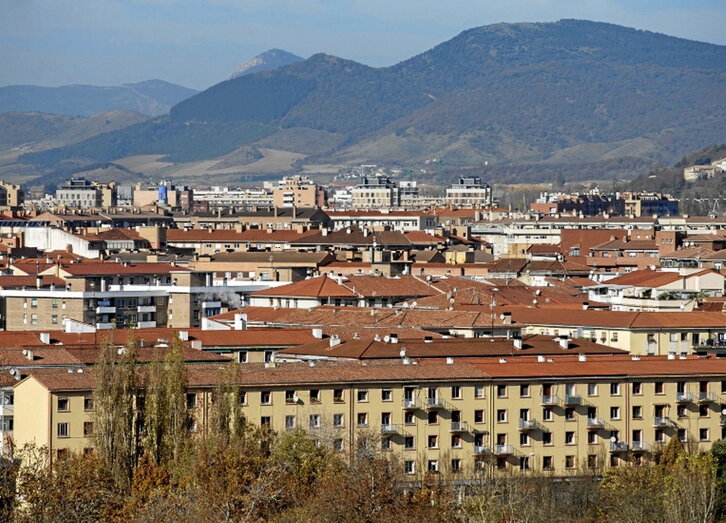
(356, 236)
(644, 278)
(630, 245)
(320, 287)
(617, 319)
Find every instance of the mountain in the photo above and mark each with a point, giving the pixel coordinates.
(267, 61)
(565, 93)
(153, 97)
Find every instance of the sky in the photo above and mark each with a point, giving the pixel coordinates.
(199, 43)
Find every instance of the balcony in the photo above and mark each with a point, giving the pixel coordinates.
(706, 397)
(639, 446)
(146, 308)
(106, 325)
(410, 404)
(550, 400)
(684, 397)
(481, 450)
(526, 425)
(389, 428)
(146, 325)
(618, 446)
(434, 403)
(503, 450)
(105, 309)
(573, 401)
(662, 422)
(211, 304)
(459, 426)
(595, 423)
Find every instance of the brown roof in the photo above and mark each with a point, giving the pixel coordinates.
(230, 235)
(630, 245)
(320, 287)
(644, 278)
(97, 268)
(618, 319)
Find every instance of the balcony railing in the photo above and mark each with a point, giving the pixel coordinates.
(527, 424)
(410, 403)
(106, 309)
(595, 423)
(389, 428)
(146, 308)
(434, 403)
(706, 397)
(503, 450)
(662, 422)
(684, 397)
(618, 446)
(573, 400)
(639, 446)
(459, 426)
(550, 400)
(481, 450)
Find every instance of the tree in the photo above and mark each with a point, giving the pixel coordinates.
(115, 415)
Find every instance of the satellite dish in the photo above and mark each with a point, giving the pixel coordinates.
(613, 439)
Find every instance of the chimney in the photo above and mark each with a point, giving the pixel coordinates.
(506, 318)
(38, 281)
(582, 357)
(449, 360)
(45, 338)
(29, 354)
(240, 322)
(428, 339)
(324, 231)
(394, 338)
(517, 342)
(671, 355)
(318, 333)
(541, 359)
(334, 341)
(197, 344)
(564, 342)
(184, 335)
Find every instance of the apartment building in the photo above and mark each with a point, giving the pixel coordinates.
(556, 413)
(376, 192)
(11, 196)
(469, 192)
(85, 194)
(298, 191)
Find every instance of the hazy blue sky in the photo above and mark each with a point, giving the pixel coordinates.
(198, 43)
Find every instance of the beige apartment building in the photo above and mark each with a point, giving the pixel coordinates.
(298, 191)
(556, 414)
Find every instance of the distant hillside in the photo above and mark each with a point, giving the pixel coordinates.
(559, 94)
(38, 131)
(267, 61)
(153, 97)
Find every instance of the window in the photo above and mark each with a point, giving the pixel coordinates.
(524, 440)
(433, 465)
(266, 397)
(547, 463)
(455, 465)
(592, 461)
(54, 303)
(524, 463)
(637, 388)
(338, 395)
(592, 389)
(338, 444)
(433, 417)
(242, 356)
(569, 462)
(362, 419)
(385, 444)
(479, 391)
(54, 319)
(546, 438)
(88, 428)
(703, 411)
(456, 392)
(637, 412)
(242, 397)
(501, 415)
(547, 413)
(615, 389)
(386, 395)
(682, 435)
(34, 319)
(409, 467)
(362, 396)
(614, 412)
(314, 421)
(659, 389)
(637, 435)
(524, 391)
(569, 413)
(338, 420)
(290, 396)
(63, 430)
(64, 405)
(456, 441)
(409, 418)
(433, 442)
(501, 391)
(681, 411)
(269, 356)
(408, 443)
(88, 403)
(289, 422)
(569, 437)
(659, 436)
(191, 400)
(703, 434)
(314, 395)
(478, 416)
